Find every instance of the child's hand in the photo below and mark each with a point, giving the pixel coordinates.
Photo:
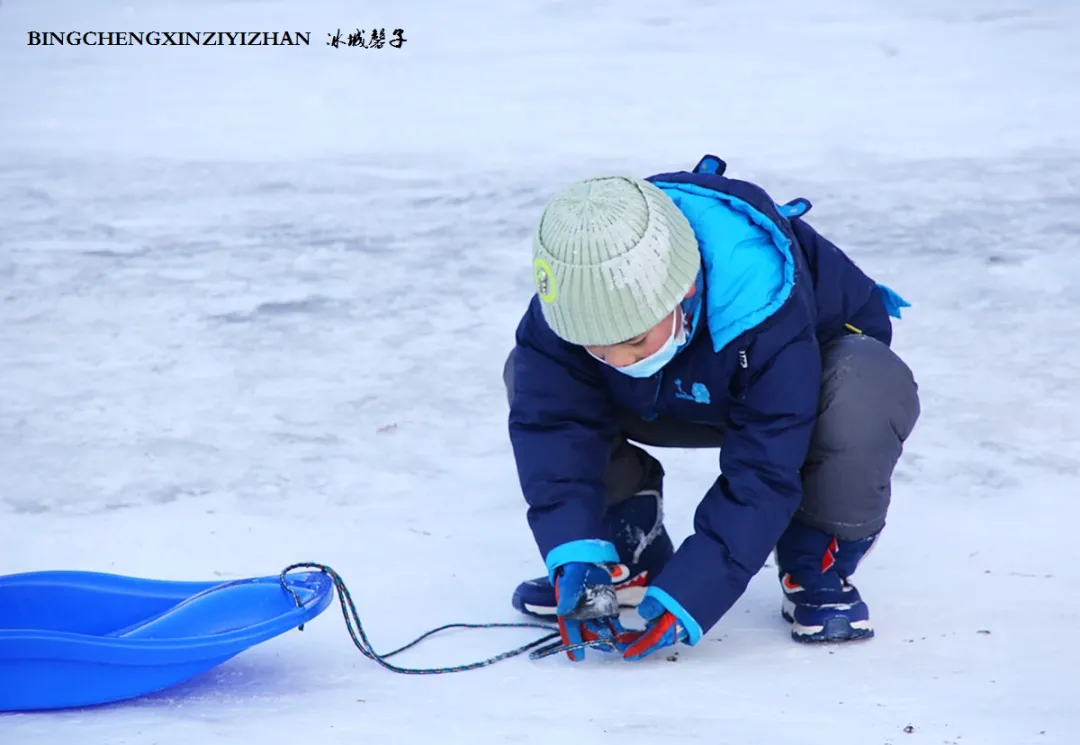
(663, 630)
(588, 609)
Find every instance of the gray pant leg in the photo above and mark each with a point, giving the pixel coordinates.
(633, 469)
(868, 409)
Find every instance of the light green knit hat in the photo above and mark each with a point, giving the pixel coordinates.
(612, 257)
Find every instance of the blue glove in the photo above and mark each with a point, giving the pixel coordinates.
(662, 630)
(588, 609)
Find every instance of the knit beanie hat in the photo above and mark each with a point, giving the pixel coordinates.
(612, 257)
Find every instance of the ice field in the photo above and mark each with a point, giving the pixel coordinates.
(256, 303)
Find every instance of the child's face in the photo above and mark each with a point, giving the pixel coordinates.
(638, 348)
(642, 346)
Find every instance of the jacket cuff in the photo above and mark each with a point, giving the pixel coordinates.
(586, 551)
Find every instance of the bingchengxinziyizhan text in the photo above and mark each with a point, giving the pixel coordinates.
(375, 38)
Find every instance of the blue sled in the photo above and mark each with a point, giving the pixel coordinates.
(70, 639)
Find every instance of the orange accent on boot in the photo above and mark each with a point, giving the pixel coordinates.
(639, 581)
(829, 559)
(622, 579)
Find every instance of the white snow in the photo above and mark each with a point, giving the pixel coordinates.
(257, 301)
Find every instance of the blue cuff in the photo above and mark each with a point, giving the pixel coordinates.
(693, 628)
(587, 551)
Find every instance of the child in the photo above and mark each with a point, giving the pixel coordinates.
(689, 310)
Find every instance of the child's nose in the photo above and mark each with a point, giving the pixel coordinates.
(621, 357)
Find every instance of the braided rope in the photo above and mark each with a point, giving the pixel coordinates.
(546, 646)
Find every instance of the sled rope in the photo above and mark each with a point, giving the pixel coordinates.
(546, 646)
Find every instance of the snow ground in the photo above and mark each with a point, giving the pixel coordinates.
(256, 303)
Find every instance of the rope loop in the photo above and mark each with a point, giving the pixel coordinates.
(546, 646)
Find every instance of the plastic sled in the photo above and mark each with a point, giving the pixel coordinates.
(70, 639)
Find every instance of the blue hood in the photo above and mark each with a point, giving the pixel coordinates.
(748, 265)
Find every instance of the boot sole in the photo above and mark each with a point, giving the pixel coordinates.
(838, 629)
(629, 597)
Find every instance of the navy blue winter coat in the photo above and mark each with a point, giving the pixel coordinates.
(775, 290)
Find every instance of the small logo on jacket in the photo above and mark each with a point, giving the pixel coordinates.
(699, 394)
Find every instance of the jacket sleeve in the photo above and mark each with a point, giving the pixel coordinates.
(845, 294)
(744, 513)
(562, 429)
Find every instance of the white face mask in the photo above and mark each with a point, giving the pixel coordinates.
(649, 366)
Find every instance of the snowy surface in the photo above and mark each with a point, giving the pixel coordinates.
(256, 303)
